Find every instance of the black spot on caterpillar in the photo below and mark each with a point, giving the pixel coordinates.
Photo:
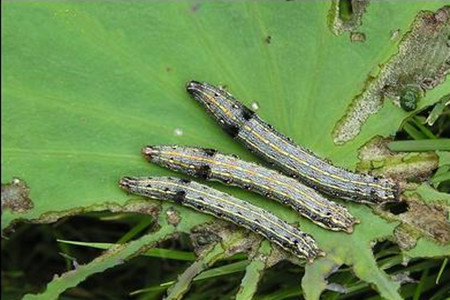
(202, 171)
(292, 159)
(226, 207)
(179, 196)
(209, 152)
(271, 184)
(247, 113)
(232, 130)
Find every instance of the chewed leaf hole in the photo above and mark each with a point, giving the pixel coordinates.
(345, 10)
(396, 208)
(346, 15)
(15, 196)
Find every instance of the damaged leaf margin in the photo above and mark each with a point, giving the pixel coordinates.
(134, 205)
(114, 256)
(232, 241)
(346, 15)
(254, 272)
(422, 63)
(420, 219)
(376, 157)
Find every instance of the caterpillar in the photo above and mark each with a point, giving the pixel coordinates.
(221, 205)
(296, 161)
(212, 165)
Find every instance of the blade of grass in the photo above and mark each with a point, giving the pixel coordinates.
(427, 284)
(427, 132)
(117, 255)
(440, 294)
(418, 267)
(441, 270)
(413, 132)
(438, 109)
(224, 270)
(345, 279)
(358, 287)
(420, 286)
(286, 293)
(196, 271)
(65, 250)
(145, 222)
(211, 273)
(155, 252)
(390, 262)
(420, 145)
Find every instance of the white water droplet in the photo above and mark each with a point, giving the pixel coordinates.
(395, 34)
(178, 132)
(254, 105)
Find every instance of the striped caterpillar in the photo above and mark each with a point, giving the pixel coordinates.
(296, 161)
(212, 165)
(221, 205)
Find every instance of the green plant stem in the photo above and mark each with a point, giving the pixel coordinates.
(421, 284)
(413, 132)
(427, 132)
